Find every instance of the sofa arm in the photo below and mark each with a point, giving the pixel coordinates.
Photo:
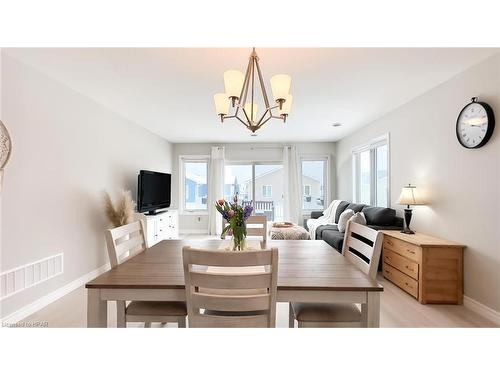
(316, 214)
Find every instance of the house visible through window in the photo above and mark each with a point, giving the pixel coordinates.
(370, 173)
(259, 184)
(314, 172)
(194, 175)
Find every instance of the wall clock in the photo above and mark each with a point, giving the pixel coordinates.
(475, 124)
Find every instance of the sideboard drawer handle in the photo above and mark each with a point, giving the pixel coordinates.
(389, 242)
(411, 251)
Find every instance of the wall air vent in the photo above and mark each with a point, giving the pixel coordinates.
(18, 279)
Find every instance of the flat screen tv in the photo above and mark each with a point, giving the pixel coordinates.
(153, 191)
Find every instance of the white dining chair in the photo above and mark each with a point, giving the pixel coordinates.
(231, 288)
(123, 243)
(362, 246)
(256, 226)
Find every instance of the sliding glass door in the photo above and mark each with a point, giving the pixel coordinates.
(260, 184)
(269, 191)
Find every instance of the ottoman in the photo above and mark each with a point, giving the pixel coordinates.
(280, 231)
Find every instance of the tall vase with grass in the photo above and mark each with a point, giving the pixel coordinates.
(122, 212)
(235, 216)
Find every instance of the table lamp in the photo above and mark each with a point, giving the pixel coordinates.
(409, 197)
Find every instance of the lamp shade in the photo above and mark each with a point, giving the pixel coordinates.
(280, 85)
(287, 105)
(233, 82)
(221, 104)
(409, 196)
(248, 110)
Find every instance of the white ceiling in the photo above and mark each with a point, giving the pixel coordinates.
(170, 90)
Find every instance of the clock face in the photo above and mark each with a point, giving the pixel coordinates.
(475, 125)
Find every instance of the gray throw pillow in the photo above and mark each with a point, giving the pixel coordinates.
(359, 218)
(343, 218)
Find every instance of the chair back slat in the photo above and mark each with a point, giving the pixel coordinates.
(230, 302)
(362, 247)
(233, 281)
(125, 242)
(258, 226)
(224, 258)
(240, 292)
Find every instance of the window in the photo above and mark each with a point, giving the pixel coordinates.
(314, 177)
(194, 183)
(267, 191)
(307, 190)
(247, 178)
(371, 173)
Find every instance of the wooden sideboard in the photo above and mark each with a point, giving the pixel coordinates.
(428, 268)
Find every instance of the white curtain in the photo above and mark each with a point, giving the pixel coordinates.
(215, 189)
(292, 192)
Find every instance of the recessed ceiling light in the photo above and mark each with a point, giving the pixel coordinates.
(336, 124)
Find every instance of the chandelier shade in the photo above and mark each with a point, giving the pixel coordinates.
(280, 85)
(233, 83)
(221, 104)
(251, 111)
(242, 94)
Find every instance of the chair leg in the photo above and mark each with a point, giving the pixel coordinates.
(147, 325)
(291, 317)
(121, 320)
(182, 322)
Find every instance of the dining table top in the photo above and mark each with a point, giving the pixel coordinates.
(302, 265)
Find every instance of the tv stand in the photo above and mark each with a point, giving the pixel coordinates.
(155, 212)
(162, 225)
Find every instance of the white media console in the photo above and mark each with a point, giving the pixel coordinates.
(162, 226)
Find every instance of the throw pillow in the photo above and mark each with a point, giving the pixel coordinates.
(343, 219)
(359, 218)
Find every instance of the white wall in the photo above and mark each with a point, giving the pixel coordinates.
(462, 186)
(66, 150)
(241, 152)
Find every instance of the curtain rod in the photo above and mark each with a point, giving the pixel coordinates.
(259, 147)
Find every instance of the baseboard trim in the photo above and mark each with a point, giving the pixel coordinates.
(40, 303)
(193, 231)
(482, 310)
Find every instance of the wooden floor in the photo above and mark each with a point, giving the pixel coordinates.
(398, 309)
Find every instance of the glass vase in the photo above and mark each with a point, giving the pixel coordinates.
(239, 236)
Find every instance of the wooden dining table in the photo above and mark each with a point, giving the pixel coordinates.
(308, 271)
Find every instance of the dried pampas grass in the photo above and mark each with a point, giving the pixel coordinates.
(123, 212)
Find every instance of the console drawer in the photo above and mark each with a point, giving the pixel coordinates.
(401, 263)
(405, 249)
(400, 279)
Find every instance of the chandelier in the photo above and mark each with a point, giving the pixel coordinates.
(241, 96)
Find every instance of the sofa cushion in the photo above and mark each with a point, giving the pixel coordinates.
(343, 219)
(379, 215)
(334, 238)
(322, 228)
(341, 208)
(355, 207)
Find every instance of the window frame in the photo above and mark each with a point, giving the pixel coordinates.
(264, 190)
(182, 191)
(326, 180)
(371, 146)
